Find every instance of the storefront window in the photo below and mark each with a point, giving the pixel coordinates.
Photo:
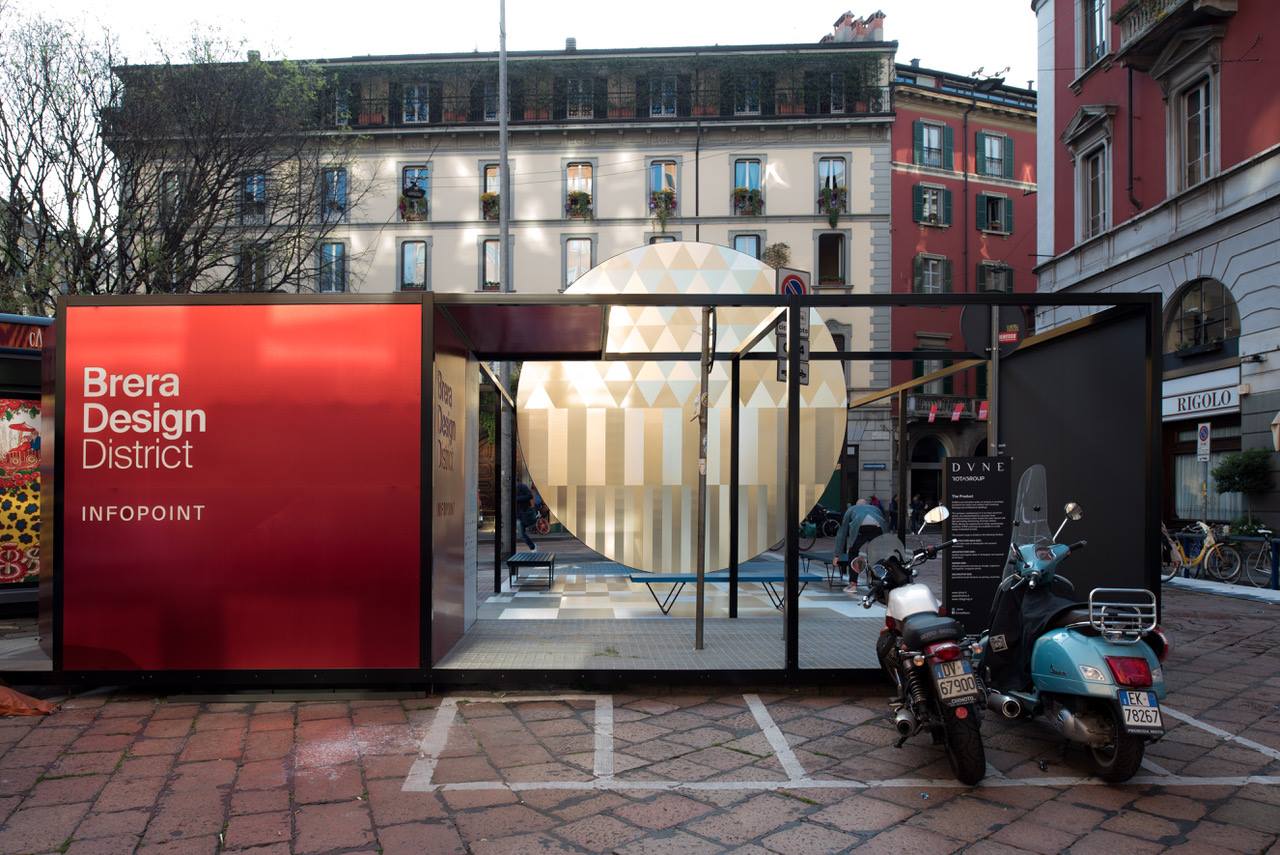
(1188, 473)
(1201, 315)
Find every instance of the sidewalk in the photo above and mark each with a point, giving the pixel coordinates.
(1225, 589)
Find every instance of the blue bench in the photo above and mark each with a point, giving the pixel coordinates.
(835, 579)
(767, 580)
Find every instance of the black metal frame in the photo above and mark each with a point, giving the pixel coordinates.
(791, 673)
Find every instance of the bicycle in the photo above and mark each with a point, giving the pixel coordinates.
(1221, 561)
(1258, 567)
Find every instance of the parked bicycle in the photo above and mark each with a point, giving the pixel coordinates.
(1257, 568)
(1221, 561)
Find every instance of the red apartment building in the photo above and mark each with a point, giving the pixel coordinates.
(963, 222)
(1159, 167)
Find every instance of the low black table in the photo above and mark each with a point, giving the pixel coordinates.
(766, 579)
(545, 560)
(835, 579)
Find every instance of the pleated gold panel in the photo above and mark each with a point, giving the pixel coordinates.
(613, 446)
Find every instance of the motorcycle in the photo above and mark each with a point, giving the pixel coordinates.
(926, 655)
(1092, 670)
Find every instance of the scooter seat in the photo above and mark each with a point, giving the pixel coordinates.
(1066, 617)
(925, 628)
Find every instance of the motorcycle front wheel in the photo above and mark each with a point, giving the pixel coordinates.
(1120, 760)
(962, 738)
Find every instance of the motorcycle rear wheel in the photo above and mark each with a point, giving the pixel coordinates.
(1121, 760)
(963, 740)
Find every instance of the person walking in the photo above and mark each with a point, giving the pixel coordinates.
(863, 522)
(526, 514)
(874, 501)
(892, 514)
(917, 512)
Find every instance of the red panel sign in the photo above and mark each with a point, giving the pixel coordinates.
(957, 411)
(241, 487)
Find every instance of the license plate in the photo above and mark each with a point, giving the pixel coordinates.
(1141, 711)
(955, 682)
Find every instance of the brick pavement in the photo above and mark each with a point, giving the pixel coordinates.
(113, 772)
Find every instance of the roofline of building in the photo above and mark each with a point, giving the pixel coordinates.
(584, 53)
(964, 78)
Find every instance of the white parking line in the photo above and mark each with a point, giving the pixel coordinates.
(790, 764)
(1222, 734)
(604, 737)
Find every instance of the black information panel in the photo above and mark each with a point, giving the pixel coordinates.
(978, 492)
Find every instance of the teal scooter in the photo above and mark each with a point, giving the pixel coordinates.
(1092, 670)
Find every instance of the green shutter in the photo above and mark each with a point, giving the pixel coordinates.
(982, 277)
(946, 207)
(946, 276)
(915, 274)
(917, 203)
(1008, 158)
(917, 140)
(979, 147)
(981, 214)
(948, 144)
(948, 385)
(1008, 214)
(917, 368)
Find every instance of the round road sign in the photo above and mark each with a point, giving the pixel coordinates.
(793, 284)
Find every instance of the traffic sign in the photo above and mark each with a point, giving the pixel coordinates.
(1202, 442)
(793, 282)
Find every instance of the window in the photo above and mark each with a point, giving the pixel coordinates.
(995, 277)
(1188, 472)
(342, 108)
(921, 367)
(579, 97)
(932, 275)
(1094, 192)
(931, 205)
(1094, 18)
(831, 264)
(837, 92)
(748, 197)
(490, 195)
(746, 174)
(333, 195)
(170, 195)
(932, 145)
(748, 244)
(491, 184)
(251, 268)
(995, 155)
(995, 213)
(413, 265)
(417, 104)
(577, 259)
(579, 198)
(662, 176)
(491, 266)
(832, 193)
(253, 199)
(490, 101)
(662, 96)
(333, 268)
(662, 239)
(415, 188)
(746, 100)
(1197, 133)
(1200, 317)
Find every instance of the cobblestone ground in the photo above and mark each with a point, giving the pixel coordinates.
(687, 773)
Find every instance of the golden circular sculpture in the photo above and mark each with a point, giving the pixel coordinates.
(612, 447)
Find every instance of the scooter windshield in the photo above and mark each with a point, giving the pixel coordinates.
(883, 547)
(1031, 517)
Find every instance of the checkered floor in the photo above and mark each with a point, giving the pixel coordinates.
(602, 590)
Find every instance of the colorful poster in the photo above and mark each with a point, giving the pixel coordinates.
(19, 491)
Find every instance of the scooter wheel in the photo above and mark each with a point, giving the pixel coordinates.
(1119, 761)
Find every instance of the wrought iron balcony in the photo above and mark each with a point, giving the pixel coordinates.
(919, 407)
(1145, 25)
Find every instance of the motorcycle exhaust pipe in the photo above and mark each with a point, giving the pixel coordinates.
(905, 722)
(1076, 728)
(1007, 706)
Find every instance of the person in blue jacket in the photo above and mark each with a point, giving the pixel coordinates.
(526, 514)
(861, 523)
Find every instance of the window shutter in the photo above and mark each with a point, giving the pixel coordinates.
(946, 207)
(917, 368)
(979, 152)
(916, 285)
(917, 142)
(946, 276)
(948, 144)
(917, 203)
(436, 107)
(1008, 158)
(1008, 214)
(642, 96)
(768, 81)
(981, 214)
(600, 97)
(982, 277)
(948, 384)
(684, 95)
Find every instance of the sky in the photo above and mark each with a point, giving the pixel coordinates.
(949, 35)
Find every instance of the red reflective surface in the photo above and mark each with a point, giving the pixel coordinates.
(286, 533)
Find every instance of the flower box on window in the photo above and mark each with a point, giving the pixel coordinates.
(790, 104)
(491, 286)
(706, 108)
(748, 202)
(537, 113)
(577, 205)
(490, 205)
(622, 108)
(662, 204)
(413, 205)
(831, 201)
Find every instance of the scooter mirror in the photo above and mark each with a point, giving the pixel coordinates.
(937, 515)
(1074, 511)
